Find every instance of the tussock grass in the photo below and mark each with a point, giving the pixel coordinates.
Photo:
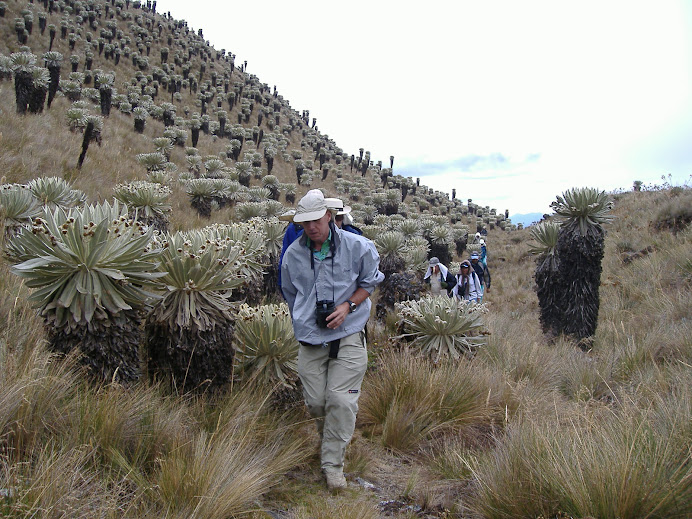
(222, 472)
(412, 400)
(632, 463)
(526, 428)
(61, 482)
(160, 453)
(34, 389)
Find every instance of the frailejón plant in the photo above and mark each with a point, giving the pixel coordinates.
(580, 249)
(92, 270)
(441, 326)
(190, 331)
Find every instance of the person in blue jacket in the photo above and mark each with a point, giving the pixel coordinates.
(484, 253)
(483, 274)
(293, 232)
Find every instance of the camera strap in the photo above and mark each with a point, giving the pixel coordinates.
(334, 348)
(332, 249)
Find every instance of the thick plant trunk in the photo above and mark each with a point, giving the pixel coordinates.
(106, 95)
(54, 82)
(579, 259)
(22, 90)
(549, 300)
(88, 132)
(110, 347)
(441, 251)
(37, 100)
(397, 287)
(191, 360)
(203, 207)
(271, 276)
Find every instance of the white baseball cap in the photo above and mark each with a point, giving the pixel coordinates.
(334, 204)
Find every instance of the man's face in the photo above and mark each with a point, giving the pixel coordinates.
(474, 260)
(318, 230)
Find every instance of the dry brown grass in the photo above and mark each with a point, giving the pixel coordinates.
(548, 414)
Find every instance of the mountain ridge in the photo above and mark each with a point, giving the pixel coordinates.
(525, 219)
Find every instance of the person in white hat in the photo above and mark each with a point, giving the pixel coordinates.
(334, 204)
(344, 220)
(327, 278)
(342, 215)
(439, 277)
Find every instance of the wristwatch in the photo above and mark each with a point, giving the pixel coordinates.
(352, 306)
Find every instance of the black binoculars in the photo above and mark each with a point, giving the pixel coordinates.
(322, 310)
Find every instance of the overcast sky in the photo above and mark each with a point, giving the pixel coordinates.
(509, 102)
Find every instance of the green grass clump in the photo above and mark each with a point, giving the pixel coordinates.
(411, 400)
(629, 464)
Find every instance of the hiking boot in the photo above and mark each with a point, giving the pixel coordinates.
(335, 480)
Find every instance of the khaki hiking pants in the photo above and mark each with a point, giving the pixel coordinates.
(331, 388)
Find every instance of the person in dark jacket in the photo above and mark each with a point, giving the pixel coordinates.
(468, 285)
(439, 277)
(482, 272)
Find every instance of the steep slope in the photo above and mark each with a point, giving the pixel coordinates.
(186, 87)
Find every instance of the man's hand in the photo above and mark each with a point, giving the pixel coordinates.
(338, 316)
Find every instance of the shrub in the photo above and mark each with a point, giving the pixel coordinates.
(267, 348)
(547, 288)
(18, 208)
(580, 249)
(92, 269)
(675, 214)
(189, 331)
(54, 192)
(148, 202)
(441, 326)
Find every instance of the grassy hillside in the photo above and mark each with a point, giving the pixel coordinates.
(525, 427)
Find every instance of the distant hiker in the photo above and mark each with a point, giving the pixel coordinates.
(477, 237)
(482, 272)
(484, 253)
(468, 287)
(439, 277)
(328, 276)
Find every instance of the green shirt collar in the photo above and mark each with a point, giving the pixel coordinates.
(324, 251)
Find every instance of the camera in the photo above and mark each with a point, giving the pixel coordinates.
(322, 310)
